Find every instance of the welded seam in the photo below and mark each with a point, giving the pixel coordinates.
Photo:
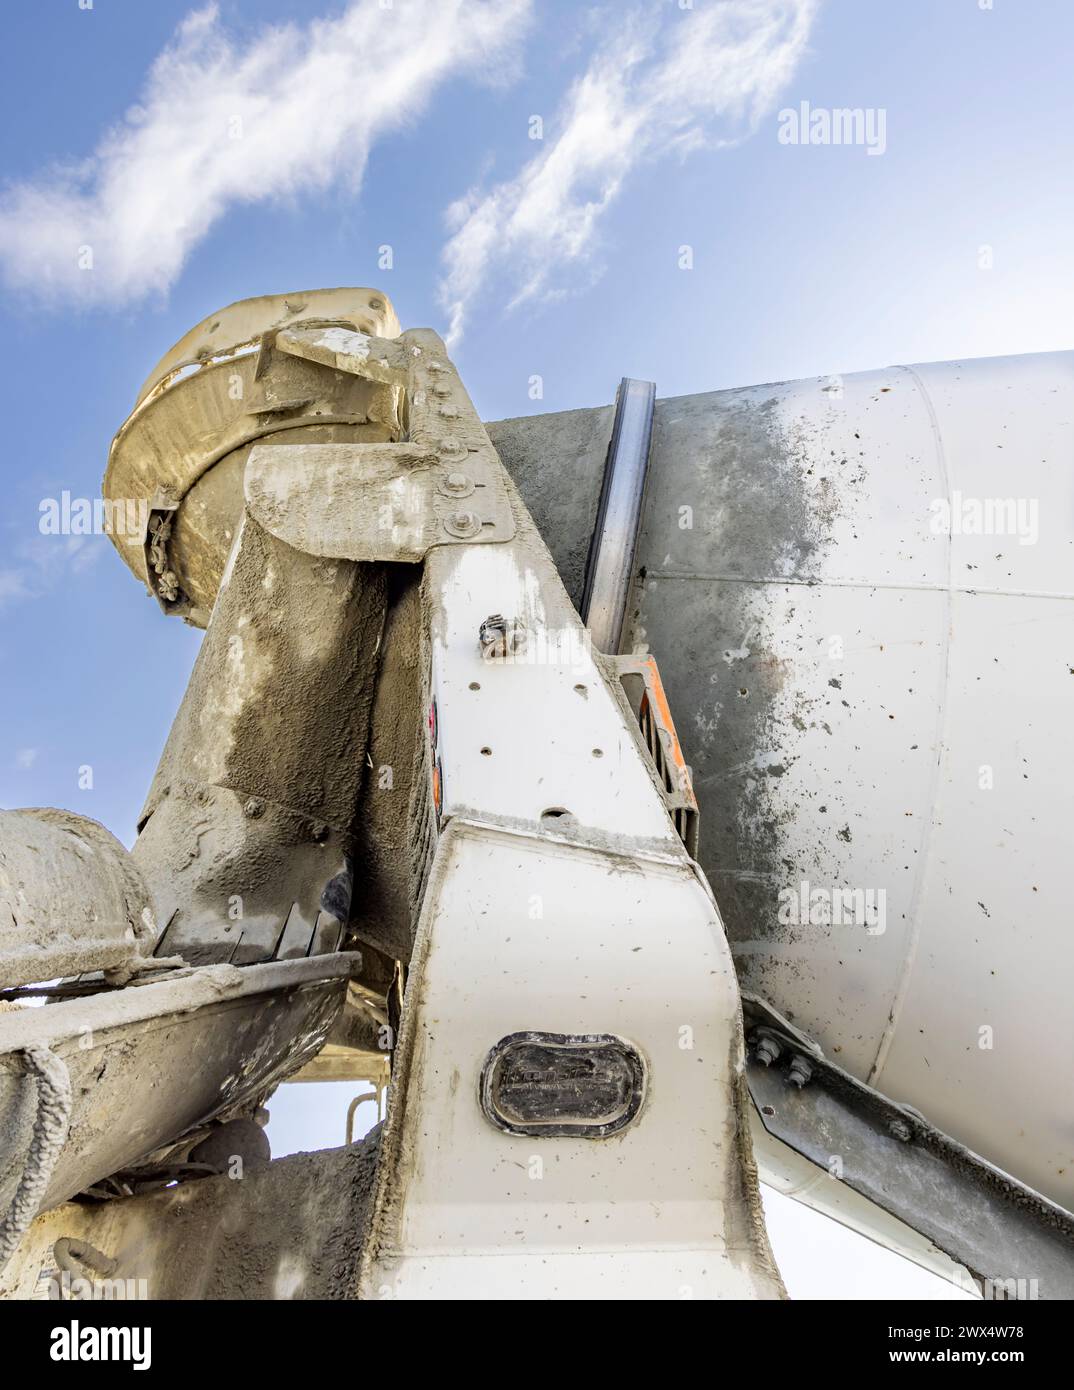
(902, 988)
(777, 579)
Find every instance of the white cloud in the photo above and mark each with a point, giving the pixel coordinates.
(26, 757)
(43, 563)
(702, 77)
(221, 122)
(13, 585)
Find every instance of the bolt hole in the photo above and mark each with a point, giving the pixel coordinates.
(767, 1110)
(580, 690)
(743, 691)
(475, 685)
(555, 813)
(598, 752)
(486, 752)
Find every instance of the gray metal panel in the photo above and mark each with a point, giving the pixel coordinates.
(557, 463)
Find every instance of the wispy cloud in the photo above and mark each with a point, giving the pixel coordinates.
(698, 78)
(25, 758)
(222, 122)
(44, 563)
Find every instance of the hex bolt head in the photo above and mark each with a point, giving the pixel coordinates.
(457, 483)
(899, 1129)
(768, 1049)
(254, 807)
(463, 521)
(800, 1072)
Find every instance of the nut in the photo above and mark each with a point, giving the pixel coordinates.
(800, 1071)
(457, 485)
(451, 447)
(500, 639)
(463, 524)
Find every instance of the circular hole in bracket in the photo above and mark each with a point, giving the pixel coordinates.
(486, 752)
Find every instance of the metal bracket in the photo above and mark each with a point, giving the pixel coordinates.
(377, 359)
(1002, 1232)
(653, 713)
(444, 485)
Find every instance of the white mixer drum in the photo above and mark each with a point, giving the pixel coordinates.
(859, 592)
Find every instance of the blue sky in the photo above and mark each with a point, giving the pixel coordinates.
(561, 257)
(806, 259)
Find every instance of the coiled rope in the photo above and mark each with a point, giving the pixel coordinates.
(48, 1138)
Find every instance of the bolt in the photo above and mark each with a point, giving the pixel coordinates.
(254, 807)
(899, 1129)
(457, 483)
(463, 521)
(492, 637)
(800, 1072)
(767, 1048)
(376, 305)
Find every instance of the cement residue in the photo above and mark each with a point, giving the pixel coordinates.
(732, 508)
(381, 911)
(294, 1229)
